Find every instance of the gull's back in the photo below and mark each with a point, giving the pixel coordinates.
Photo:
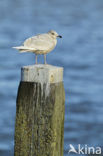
(40, 44)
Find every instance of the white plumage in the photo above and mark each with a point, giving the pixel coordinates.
(40, 44)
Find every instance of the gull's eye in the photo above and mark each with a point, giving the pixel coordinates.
(52, 33)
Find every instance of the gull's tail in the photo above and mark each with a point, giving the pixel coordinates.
(24, 49)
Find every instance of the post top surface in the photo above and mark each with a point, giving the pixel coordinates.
(42, 73)
(47, 66)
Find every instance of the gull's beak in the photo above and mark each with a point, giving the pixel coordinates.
(59, 36)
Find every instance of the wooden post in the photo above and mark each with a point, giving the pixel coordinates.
(39, 127)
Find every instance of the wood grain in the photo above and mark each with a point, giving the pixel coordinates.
(39, 129)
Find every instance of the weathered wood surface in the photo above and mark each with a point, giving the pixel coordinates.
(42, 73)
(39, 127)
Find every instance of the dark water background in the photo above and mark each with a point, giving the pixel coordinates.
(80, 52)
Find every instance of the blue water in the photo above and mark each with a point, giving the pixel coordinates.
(80, 52)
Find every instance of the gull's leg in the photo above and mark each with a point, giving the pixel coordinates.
(45, 59)
(36, 59)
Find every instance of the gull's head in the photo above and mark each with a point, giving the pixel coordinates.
(54, 34)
